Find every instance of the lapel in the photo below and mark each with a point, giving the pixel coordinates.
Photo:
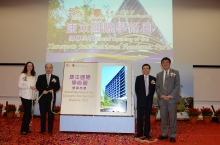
(168, 78)
(161, 76)
(45, 79)
(171, 71)
(142, 80)
(150, 79)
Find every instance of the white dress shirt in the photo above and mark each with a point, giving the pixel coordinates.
(24, 84)
(48, 78)
(146, 81)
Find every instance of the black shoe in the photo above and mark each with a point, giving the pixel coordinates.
(28, 131)
(24, 133)
(148, 136)
(138, 136)
(172, 139)
(50, 132)
(162, 137)
(41, 132)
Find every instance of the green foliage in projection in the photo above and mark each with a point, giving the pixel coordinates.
(106, 101)
(55, 18)
(60, 16)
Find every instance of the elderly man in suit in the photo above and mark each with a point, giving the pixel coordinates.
(144, 89)
(168, 89)
(47, 84)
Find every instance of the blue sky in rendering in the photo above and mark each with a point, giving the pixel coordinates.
(108, 72)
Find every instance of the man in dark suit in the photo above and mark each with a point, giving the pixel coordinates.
(144, 89)
(47, 84)
(168, 89)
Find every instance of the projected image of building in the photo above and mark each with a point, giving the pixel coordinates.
(128, 31)
(117, 87)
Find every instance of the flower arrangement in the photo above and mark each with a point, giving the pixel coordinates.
(172, 74)
(193, 112)
(54, 80)
(21, 108)
(206, 111)
(154, 111)
(217, 112)
(10, 107)
(1, 106)
(56, 109)
(153, 82)
(25, 78)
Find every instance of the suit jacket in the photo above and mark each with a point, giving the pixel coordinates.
(42, 85)
(173, 86)
(141, 92)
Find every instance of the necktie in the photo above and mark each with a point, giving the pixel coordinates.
(166, 76)
(48, 79)
(146, 85)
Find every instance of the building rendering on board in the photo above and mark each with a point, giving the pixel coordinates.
(117, 87)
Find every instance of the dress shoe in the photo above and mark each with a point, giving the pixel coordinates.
(137, 136)
(28, 131)
(50, 132)
(148, 136)
(172, 139)
(162, 137)
(41, 132)
(144, 137)
(24, 133)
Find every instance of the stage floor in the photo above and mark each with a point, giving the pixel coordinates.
(187, 134)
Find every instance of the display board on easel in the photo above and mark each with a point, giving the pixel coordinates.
(96, 89)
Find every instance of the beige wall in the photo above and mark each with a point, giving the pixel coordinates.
(23, 25)
(23, 31)
(196, 31)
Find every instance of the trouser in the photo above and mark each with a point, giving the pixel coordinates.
(44, 109)
(27, 114)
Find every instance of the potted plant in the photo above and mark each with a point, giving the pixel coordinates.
(153, 114)
(21, 110)
(193, 114)
(10, 110)
(207, 114)
(56, 111)
(217, 114)
(1, 106)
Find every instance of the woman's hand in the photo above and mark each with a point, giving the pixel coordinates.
(33, 87)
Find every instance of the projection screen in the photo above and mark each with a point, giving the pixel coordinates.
(109, 31)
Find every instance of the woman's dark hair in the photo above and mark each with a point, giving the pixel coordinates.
(33, 73)
(165, 58)
(146, 65)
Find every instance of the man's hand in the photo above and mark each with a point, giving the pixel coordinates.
(45, 92)
(163, 97)
(169, 97)
(50, 91)
(166, 98)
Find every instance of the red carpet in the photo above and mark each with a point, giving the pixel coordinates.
(188, 134)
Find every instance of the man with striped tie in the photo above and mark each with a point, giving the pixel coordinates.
(144, 89)
(168, 89)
